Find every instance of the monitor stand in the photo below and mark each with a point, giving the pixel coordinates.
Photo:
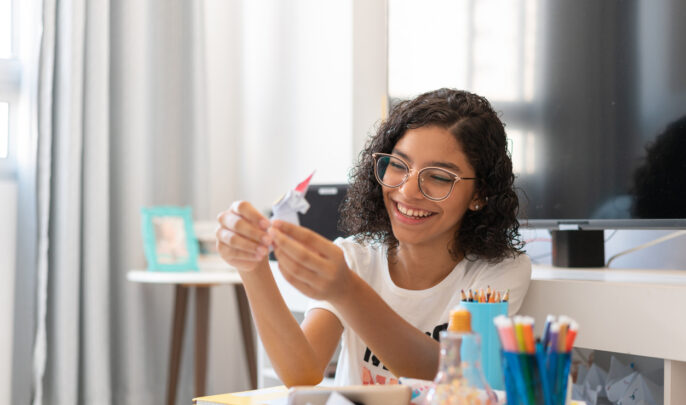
(577, 248)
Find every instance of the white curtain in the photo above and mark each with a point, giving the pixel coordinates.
(134, 110)
(121, 126)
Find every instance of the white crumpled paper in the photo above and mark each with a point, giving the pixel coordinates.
(626, 386)
(591, 384)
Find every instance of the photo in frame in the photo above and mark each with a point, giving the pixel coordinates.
(169, 238)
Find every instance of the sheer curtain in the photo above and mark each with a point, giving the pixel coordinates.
(179, 103)
(121, 126)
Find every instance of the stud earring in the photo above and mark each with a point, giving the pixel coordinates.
(476, 207)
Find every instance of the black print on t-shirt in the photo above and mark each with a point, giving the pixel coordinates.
(437, 331)
(375, 360)
(368, 355)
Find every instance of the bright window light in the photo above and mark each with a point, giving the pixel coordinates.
(419, 58)
(5, 29)
(4, 129)
(522, 150)
(484, 46)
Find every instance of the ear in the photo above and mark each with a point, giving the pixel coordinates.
(477, 203)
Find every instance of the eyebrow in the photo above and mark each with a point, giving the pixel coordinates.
(435, 163)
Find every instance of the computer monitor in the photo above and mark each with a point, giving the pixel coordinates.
(593, 96)
(323, 216)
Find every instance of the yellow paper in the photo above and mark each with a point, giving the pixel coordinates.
(256, 397)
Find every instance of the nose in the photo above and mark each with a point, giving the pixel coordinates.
(410, 189)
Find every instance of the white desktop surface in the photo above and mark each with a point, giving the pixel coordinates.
(219, 273)
(184, 277)
(644, 276)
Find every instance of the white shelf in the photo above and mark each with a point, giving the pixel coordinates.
(638, 312)
(610, 275)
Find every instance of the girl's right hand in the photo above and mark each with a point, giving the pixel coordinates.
(242, 239)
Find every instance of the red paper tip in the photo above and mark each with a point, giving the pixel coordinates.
(302, 187)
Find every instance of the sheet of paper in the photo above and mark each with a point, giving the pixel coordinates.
(278, 401)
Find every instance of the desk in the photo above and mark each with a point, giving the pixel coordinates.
(201, 281)
(626, 311)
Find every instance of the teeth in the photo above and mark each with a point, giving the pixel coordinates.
(413, 213)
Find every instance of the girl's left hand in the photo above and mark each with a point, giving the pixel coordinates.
(310, 262)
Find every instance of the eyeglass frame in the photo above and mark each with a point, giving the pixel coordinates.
(456, 178)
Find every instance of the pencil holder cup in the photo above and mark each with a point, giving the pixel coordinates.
(482, 323)
(536, 379)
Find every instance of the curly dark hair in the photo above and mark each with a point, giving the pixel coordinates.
(491, 233)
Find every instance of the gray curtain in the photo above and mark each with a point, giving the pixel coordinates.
(121, 126)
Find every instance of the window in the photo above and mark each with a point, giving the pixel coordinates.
(5, 29)
(485, 46)
(12, 65)
(4, 129)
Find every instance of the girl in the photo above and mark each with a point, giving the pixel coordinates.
(432, 211)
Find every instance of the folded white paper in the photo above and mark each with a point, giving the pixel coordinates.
(621, 385)
(292, 203)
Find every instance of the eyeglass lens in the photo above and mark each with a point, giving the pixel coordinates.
(434, 183)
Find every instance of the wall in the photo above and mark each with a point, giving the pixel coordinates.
(297, 96)
(8, 230)
(669, 255)
(279, 82)
(290, 88)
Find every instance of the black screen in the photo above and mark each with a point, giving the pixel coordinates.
(592, 93)
(607, 123)
(323, 214)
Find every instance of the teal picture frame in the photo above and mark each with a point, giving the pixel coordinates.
(169, 238)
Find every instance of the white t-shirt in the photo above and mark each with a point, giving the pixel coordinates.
(428, 310)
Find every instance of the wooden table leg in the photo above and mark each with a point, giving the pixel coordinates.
(246, 327)
(202, 310)
(177, 341)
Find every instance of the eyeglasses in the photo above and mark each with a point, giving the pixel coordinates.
(435, 183)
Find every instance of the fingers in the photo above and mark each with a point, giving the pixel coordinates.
(297, 251)
(244, 220)
(237, 257)
(296, 274)
(244, 247)
(249, 212)
(242, 235)
(306, 237)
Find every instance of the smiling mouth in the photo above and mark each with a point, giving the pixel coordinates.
(414, 213)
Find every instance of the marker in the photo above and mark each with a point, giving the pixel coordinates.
(571, 335)
(506, 332)
(554, 332)
(519, 334)
(562, 338)
(528, 334)
(546, 329)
